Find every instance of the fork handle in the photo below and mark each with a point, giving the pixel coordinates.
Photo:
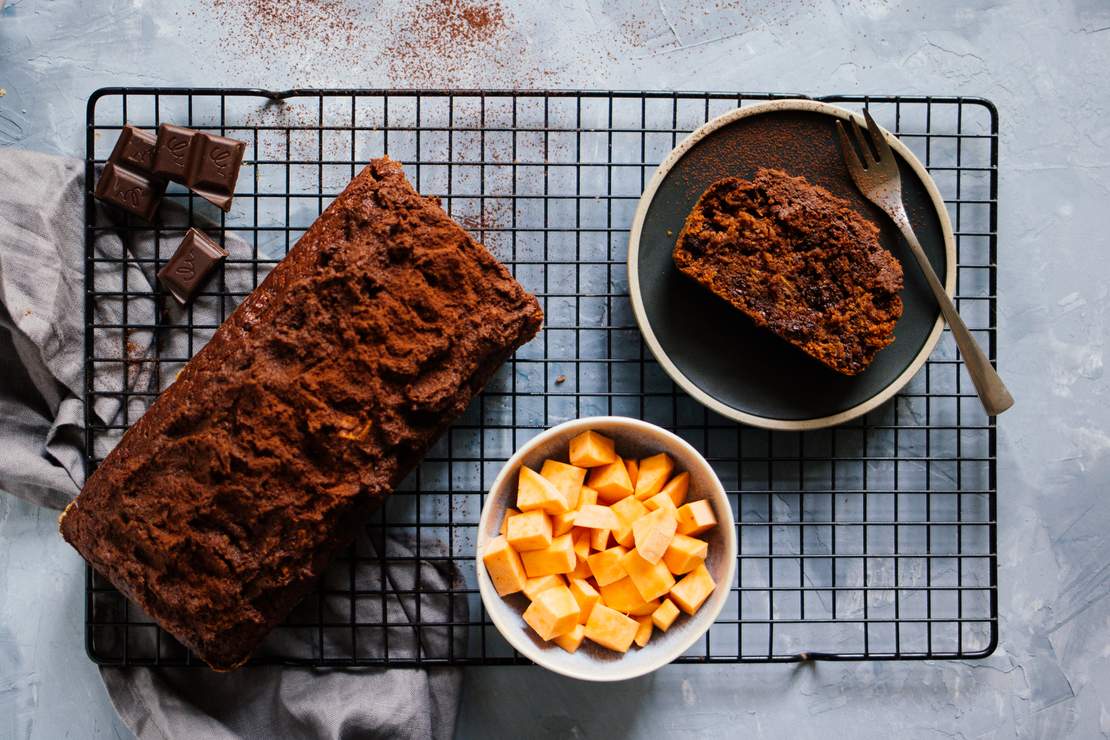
(992, 391)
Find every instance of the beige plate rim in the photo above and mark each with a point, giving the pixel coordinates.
(645, 326)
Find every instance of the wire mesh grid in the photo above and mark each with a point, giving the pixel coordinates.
(872, 540)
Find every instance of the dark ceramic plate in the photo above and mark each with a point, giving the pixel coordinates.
(715, 352)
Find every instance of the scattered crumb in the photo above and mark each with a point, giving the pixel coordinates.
(560, 379)
(3, 92)
(670, 233)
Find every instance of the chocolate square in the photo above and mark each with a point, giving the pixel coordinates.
(131, 191)
(135, 148)
(172, 151)
(190, 265)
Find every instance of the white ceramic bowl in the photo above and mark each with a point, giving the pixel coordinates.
(634, 438)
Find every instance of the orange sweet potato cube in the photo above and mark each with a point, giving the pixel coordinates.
(659, 501)
(696, 517)
(627, 510)
(505, 519)
(586, 496)
(644, 610)
(553, 613)
(504, 566)
(599, 539)
(533, 586)
(572, 640)
(653, 533)
(633, 470)
(621, 595)
(536, 492)
(529, 530)
(663, 617)
(643, 632)
(651, 580)
(677, 487)
(586, 596)
(685, 553)
(611, 482)
(558, 557)
(654, 472)
(590, 449)
(594, 516)
(611, 629)
(567, 478)
(606, 565)
(692, 591)
(562, 523)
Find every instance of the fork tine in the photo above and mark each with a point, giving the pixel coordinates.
(864, 147)
(855, 167)
(878, 139)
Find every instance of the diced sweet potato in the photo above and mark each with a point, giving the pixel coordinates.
(599, 539)
(696, 517)
(653, 475)
(643, 632)
(562, 523)
(633, 470)
(685, 553)
(586, 596)
(621, 595)
(554, 612)
(567, 478)
(611, 482)
(586, 496)
(504, 566)
(594, 516)
(529, 530)
(533, 586)
(653, 533)
(505, 519)
(606, 565)
(627, 510)
(659, 501)
(536, 492)
(611, 629)
(558, 557)
(590, 449)
(692, 591)
(677, 487)
(663, 617)
(572, 640)
(651, 580)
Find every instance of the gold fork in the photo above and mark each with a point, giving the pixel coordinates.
(876, 176)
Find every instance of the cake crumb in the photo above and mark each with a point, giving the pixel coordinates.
(559, 380)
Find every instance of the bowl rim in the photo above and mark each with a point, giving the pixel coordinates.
(672, 370)
(611, 671)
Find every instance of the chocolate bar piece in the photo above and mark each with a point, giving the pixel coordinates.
(171, 157)
(128, 180)
(135, 150)
(130, 190)
(190, 265)
(206, 163)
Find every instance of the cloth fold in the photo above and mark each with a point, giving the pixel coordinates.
(42, 418)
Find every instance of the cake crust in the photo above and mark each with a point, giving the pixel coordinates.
(220, 508)
(798, 261)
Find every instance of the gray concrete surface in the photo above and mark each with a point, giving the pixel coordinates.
(1044, 64)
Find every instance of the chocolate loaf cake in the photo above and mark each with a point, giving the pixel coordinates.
(221, 507)
(798, 261)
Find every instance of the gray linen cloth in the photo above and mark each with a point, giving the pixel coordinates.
(41, 423)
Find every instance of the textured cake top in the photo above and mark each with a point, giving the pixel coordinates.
(219, 508)
(797, 260)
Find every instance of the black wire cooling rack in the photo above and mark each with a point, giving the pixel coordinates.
(872, 540)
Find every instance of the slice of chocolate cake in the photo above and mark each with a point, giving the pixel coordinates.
(797, 260)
